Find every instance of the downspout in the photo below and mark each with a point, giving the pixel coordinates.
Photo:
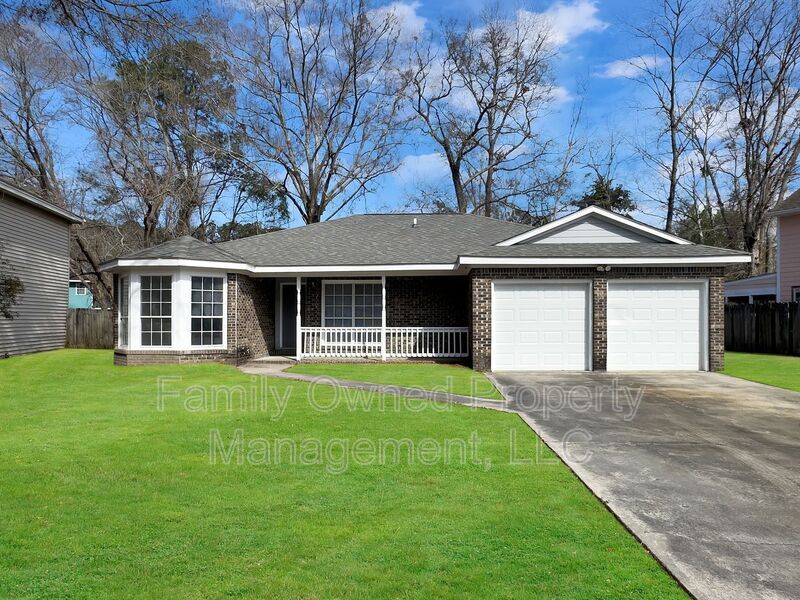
(236, 321)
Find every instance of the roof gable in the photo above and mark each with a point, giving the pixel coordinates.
(594, 225)
(789, 205)
(27, 197)
(593, 230)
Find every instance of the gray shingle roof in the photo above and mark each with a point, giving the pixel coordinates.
(365, 240)
(791, 202)
(186, 247)
(375, 240)
(635, 250)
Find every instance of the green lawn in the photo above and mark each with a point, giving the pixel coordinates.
(780, 371)
(455, 379)
(103, 494)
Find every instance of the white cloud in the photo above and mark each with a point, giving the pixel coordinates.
(409, 23)
(421, 168)
(631, 67)
(559, 95)
(567, 21)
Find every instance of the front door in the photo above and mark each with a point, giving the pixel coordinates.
(288, 316)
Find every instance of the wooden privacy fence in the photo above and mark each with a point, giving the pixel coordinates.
(90, 328)
(772, 328)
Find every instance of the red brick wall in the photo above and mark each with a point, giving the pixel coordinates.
(251, 316)
(481, 298)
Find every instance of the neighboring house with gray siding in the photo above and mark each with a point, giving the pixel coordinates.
(591, 291)
(35, 240)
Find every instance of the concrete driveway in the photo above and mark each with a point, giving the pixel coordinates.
(703, 468)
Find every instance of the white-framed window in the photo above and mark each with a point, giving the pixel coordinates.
(207, 311)
(796, 294)
(351, 304)
(155, 306)
(80, 290)
(123, 307)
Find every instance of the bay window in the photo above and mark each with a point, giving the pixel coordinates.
(207, 309)
(156, 309)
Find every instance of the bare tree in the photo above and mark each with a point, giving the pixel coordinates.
(158, 123)
(759, 86)
(321, 102)
(675, 74)
(479, 96)
(30, 107)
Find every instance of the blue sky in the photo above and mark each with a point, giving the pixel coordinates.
(595, 46)
(595, 43)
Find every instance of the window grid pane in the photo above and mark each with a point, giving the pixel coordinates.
(207, 311)
(156, 310)
(352, 304)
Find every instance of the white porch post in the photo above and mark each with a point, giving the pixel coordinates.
(299, 334)
(383, 317)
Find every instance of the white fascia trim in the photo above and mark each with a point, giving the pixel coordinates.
(248, 268)
(174, 262)
(558, 262)
(593, 210)
(444, 267)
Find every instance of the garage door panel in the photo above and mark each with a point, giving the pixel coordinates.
(655, 325)
(540, 326)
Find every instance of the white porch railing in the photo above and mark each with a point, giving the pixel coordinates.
(401, 342)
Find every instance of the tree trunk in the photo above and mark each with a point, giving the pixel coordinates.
(488, 196)
(458, 185)
(150, 223)
(673, 180)
(106, 297)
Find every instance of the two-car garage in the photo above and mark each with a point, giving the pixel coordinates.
(650, 325)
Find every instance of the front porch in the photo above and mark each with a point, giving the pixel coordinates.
(374, 318)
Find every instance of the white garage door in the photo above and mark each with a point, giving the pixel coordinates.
(540, 326)
(656, 326)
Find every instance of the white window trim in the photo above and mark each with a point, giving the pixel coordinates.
(224, 315)
(795, 296)
(171, 317)
(343, 281)
(80, 290)
(181, 310)
(120, 328)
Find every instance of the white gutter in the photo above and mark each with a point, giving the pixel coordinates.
(442, 268)
(277, 270)
(560, 262)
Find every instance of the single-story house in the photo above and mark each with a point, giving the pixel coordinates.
(784, 284)
(34, 241)
(591, 291)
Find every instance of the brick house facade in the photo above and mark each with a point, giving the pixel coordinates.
(436, 275)
(481, 298)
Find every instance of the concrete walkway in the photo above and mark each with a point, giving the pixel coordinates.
(276, 369)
